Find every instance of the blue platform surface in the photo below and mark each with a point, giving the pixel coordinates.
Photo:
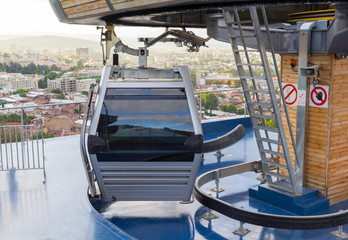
(306, 203)
(60, 209)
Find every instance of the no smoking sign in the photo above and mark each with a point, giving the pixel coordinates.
(290, 94)
(319, 95)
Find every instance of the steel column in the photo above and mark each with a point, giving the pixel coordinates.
(302, 85)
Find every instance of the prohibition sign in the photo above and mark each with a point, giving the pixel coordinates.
(317, 96)
(290, 94)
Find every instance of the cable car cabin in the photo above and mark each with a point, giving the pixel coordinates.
(141, 122)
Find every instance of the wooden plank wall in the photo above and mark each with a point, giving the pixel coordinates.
(338, 155)
(84, 8)
(317, 124)
(288, 76)
(124, 4)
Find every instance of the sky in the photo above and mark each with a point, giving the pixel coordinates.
(36, 17)
(23, 17)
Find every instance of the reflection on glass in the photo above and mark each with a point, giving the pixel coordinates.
(145, 125)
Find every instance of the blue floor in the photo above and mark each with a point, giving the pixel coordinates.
(172, 220)
(59, 209)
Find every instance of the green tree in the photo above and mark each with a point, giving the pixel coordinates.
(80, 63)
(60, 96)
(232, 108)
(55, 68)
(13, 117)
(240, 111)
(56, 90)
(51, 75)
(10, 135)
(223, 107)
(84, 93)
(45, 135)
(237, 84)
(271, 123)
(20, 91)
(42, 84)
(210, 101)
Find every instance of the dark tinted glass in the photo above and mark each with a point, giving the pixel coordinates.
(145, 125)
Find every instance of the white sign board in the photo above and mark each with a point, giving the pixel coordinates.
(319, 96)
(301, 98)
(290, 94)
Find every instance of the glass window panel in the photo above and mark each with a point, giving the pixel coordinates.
(145, 125)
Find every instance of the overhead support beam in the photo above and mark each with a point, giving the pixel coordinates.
(301, 121)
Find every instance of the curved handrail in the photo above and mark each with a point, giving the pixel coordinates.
(226, 140)
(258, 218)
(86, 163)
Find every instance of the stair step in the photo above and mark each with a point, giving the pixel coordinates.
(275, 164)
(268, 105)
(282, 187)
(263, 116)
(240, 22)
(250, 64)
(267, 129)
(246, 51)
(246, 36)
(269, 141)
(256, 91)
(257, 105)
(273, 153)
(277, 175)
(252, 78)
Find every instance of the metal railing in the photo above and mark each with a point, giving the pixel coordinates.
(208, 91)
(21, 148)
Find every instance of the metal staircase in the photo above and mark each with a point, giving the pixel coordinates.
(260, 95)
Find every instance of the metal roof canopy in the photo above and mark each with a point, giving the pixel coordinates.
(328, 37)
(169, 13)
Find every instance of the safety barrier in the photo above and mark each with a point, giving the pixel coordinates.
(21, 148)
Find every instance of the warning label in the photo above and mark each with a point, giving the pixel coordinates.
(319, 96)
(290, 94)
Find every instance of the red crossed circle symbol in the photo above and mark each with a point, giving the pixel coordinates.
(292, 90)
(315, 91)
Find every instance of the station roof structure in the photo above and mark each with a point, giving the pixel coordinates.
(183, 13)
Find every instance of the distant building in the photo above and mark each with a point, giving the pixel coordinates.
(33, 57)
(16, 81)
(84, 84)
(82, 52)
(53, 84)
(66, 84)
(79, 98)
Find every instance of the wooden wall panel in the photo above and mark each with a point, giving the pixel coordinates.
(84, 8)
(338, 154)
(317, 124)
(288, 76)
